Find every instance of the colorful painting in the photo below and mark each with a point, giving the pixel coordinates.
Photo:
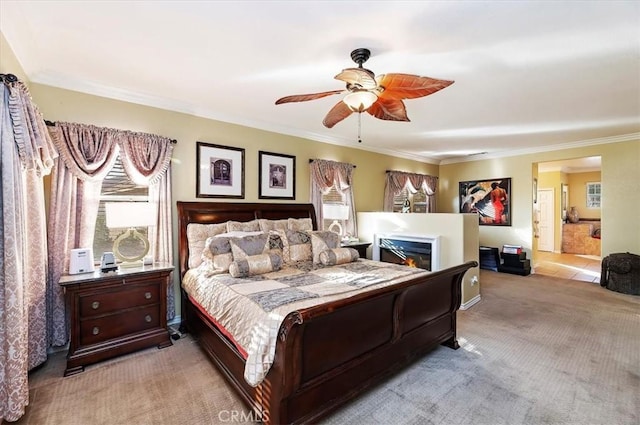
(490, 199)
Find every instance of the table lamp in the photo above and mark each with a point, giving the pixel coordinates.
(130, 215)
(335, 212)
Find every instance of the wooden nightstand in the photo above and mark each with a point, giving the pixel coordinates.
(115, 313)
(361, 247)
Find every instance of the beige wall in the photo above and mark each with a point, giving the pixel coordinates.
(620, 177)
(578, 193)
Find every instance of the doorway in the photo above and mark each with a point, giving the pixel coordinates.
(561, 185)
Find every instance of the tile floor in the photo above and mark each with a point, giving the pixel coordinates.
(569, 266)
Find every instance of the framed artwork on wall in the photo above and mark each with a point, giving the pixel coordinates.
(276, 176)
(490, 199)
(220, 171)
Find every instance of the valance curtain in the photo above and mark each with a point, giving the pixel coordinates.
(326, 175)
(87, 154)
(397, 181)
(26, 155)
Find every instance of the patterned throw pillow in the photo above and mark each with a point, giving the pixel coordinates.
(197, 235)
(300, 224)
(255, 245)
(321, 241)
(331, 257)
(217, 254)
(296, 246)
(255, 265)
(267, 225)
(243, 226)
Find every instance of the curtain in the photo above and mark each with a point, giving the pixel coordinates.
(26, 155)
(397, 181)
(146, 158)
(326, 175)
(87, 154)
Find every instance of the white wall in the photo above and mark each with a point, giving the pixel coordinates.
(459, 238)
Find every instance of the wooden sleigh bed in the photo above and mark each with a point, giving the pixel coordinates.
(330, 353)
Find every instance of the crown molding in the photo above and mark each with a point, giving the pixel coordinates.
(572, 145)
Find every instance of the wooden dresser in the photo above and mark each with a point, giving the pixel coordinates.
(115, 313)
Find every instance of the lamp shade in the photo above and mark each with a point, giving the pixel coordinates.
(130, 214)
(360, 101)
(335, 212)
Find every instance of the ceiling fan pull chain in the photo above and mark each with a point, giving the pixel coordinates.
(359, 127)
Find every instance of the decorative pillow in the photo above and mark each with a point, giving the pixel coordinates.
(197, 235)
(300, 224)
(267, 225)
(296, 246)
(331, 257)
(243, 226)
(256, 264)
(263, 243)
(321, 241)
(217, 254)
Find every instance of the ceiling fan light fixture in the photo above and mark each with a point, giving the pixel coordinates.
(360, 101)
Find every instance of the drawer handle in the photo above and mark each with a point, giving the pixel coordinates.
(95, 305)
(96, 330)
(147, 318)
(147, 295)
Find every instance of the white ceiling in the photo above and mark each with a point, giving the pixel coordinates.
(529, 75)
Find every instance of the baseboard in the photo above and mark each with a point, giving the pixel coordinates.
(473, 301)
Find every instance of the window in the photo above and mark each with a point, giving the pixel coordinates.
(406, 201)
(116, 187)
(593, 195)
(333, 197)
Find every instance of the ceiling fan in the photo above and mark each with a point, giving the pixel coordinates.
(380, 96)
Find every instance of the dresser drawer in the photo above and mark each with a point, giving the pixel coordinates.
(100, 329)
(94, 304)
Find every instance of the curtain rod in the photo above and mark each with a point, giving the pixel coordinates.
(311, 160)
(52, 124)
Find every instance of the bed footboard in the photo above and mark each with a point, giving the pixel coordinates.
(329, 354)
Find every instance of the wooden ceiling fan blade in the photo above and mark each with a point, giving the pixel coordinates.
(361, 77)
(407, 86)
(389, 109)
(305, 97)
(339, 112)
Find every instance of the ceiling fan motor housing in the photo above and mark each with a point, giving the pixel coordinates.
(360, 56)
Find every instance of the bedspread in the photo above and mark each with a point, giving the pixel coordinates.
(252, 309)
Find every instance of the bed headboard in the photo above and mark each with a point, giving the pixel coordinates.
(219, 212)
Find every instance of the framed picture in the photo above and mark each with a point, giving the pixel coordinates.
(276, 176)
(220, 172)
(535, 190)
(490, 199)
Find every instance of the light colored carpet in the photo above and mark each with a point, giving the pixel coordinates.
(536, 350)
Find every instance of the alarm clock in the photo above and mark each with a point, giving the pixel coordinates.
(108, 263)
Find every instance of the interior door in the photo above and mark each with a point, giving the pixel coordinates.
(547, 218)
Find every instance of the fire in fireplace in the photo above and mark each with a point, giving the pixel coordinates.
(411, 250)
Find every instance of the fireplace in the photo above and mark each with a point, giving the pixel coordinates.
(413, 250)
